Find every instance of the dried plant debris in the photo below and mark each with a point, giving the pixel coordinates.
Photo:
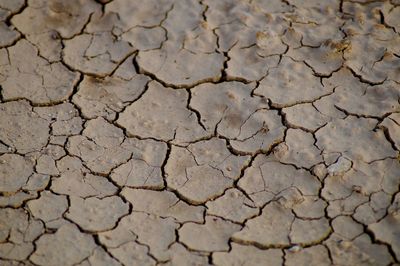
(232, 132)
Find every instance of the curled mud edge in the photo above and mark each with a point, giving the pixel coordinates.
(232, 132)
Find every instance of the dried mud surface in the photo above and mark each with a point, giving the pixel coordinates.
(184, 132)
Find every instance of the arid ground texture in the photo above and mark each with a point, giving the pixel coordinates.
(209, 132)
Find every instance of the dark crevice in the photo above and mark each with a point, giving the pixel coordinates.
(198, 115)
(164, 164)
(389, 138)
(213, 80)
(376, 241)
(17, 12)
(104, 247)
(220, 77)
(363, 80)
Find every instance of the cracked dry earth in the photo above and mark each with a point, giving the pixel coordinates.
(184, 132)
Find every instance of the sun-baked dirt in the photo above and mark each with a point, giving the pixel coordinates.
(199, 132)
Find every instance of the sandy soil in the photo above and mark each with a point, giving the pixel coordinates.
(210, 132)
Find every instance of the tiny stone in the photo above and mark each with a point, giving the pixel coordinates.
(295, 249)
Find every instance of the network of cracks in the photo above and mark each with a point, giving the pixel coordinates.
(184, 132)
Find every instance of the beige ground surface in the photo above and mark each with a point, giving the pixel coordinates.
(184, 132)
